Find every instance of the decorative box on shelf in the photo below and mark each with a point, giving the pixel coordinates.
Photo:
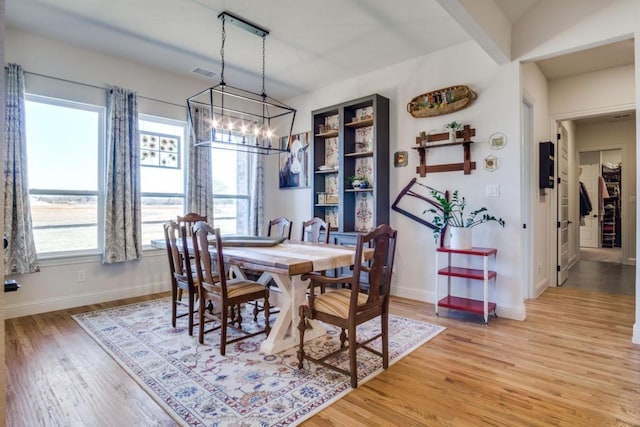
(327, 199)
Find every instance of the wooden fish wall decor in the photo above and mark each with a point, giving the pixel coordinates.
(442, 101)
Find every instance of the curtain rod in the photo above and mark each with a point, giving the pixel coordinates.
(98, 87)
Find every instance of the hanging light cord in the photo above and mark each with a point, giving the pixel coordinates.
(224, 37)
(264, 93)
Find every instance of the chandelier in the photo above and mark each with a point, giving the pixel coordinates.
(227, 117)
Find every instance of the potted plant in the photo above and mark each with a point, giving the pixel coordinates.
(359, 181)
(453, 128)
(451, 214)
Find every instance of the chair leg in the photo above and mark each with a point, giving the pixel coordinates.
(191, 307)
(267, 310)
(353, 361)
(343, 338)
(384, 327)
(174, 310)
(238, 318)
(302, 326)
(256, 310)
(201, 323)
(223, 329)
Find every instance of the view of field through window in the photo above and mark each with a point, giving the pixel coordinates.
(65, 148)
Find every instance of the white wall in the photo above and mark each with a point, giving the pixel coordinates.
(535, 91)
(591, 93)
(555, 27)
(495, 110)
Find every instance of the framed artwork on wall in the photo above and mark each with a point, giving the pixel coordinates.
(294, 165)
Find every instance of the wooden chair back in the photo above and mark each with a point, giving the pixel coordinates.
(211, 274)
(180, 270)
(189, 220)
(279, 227)
(378, 268)
(313, 229)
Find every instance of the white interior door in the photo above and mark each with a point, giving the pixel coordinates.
(563, 206)
(590, 231)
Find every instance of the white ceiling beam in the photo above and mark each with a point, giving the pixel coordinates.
(486, 23)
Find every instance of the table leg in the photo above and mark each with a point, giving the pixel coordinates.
(284, 333)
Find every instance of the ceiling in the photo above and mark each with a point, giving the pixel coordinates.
(310, 45)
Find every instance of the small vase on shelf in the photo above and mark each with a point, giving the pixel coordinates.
(452, 135)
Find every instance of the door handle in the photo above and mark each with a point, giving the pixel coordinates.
(569, 222)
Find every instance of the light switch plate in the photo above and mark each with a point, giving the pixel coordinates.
(493, 190)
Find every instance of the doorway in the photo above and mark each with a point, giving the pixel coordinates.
(600, 199)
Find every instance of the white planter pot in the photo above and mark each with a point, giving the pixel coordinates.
(459, 237)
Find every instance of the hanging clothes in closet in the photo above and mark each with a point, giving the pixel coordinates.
(585, 203)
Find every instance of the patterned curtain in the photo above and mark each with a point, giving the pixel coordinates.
(256, 214)
(199, 180)
(123, 225)
(20, 256)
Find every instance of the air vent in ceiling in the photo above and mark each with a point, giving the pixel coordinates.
(204, 72)
(622, 116)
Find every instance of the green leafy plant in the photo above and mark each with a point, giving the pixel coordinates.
(452, 213)
(453, 125)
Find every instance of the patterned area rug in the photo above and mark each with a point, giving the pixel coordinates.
(198, 387)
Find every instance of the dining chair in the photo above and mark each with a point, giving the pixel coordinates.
(313, 228)
(182, 276)
(188, 220)
(350, 307)
(223, 292)
(278, 227)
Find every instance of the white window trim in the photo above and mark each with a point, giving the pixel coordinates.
(101, 110)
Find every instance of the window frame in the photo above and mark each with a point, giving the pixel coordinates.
(183, 165)
(101, 167)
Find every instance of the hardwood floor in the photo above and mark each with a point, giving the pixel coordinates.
(610, 277)
(570, 363)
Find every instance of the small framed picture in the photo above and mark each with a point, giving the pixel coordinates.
(497, 141)
(400, 158)
(294, 165)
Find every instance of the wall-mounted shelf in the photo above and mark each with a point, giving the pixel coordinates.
(433, 141)
(360, 123)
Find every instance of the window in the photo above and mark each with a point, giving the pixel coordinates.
(162, 173)
(231, 190)
(64, 142)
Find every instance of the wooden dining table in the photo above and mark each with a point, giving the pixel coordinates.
(285, 262)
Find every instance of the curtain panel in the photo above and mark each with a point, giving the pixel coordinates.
(20, 256)
(123, 224)
(199, 179)
(256, 214)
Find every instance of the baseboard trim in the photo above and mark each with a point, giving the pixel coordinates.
(62, 303)
(414, 294)
(636, 334)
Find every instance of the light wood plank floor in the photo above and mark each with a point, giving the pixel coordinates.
(571, 363)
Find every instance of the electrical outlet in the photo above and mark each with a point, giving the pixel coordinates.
(81, 276)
